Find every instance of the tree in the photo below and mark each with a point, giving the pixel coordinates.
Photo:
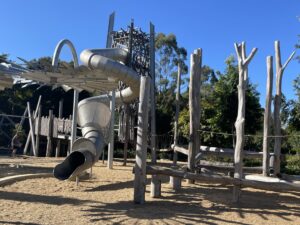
(168, 56)
(219, 107)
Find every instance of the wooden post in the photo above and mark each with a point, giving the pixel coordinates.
(60, 114)
(153, 101)
(31, 129)
(141, 146)
(49, 137)
(243, 63)
(155, 186)
(110, 29)
(35, 115)
(194, 106)
(175, 182)
(110, 154)
(74, 119)
(177, 112)
(126, 138)
(267, 117)
(277, 104)
(38, 131)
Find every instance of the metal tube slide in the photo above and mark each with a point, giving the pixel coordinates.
(94, 115)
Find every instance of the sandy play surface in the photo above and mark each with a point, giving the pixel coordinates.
(107, 199)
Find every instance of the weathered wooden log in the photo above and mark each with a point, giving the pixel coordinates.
(111, 145)
(243, 63)
(38, 131)
(31, 129)
(35, 115)
(267, 117)
(219, 152)
(280, 185)
(141, 146)
(177, 112)
(153, 98)
(155, 189)
(194, 106)
(180, 149)
(49, 137)
(277, 104)
(126, 138)
(60, 114)
(174, 181)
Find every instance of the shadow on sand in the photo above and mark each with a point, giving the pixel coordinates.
(197, 204)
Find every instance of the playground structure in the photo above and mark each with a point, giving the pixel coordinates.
(128, 55)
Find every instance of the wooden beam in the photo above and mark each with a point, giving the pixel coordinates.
(180, 149)
(35, 115)
(280, 186)
(31, 129)
(38, 131)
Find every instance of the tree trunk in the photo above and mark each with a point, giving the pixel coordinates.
(267, 117)
(277, 105)
(141, 146)
(240, 120)
(194, 104)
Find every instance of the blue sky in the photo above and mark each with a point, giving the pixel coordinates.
(32, 28)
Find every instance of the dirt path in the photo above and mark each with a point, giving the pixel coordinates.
(107, 199)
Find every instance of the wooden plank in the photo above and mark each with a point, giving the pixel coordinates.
(180, 149)
(280, 186)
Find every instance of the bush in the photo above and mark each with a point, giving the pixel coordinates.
(292, 165)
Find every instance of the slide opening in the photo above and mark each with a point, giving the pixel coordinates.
(64, 170)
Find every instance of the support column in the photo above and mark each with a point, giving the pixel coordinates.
(153, 101)
(141, 146)
(111, 143)
(175, 182)
(277, 105)
(267, 117)
(112, 134)
(243, 63)
(74, 119)
(60, 114)
(194, 104)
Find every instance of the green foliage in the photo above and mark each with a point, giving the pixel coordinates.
(219, 108)
(168, 55)
(292, 165)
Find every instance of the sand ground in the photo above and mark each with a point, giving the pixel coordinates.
(107, 199)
